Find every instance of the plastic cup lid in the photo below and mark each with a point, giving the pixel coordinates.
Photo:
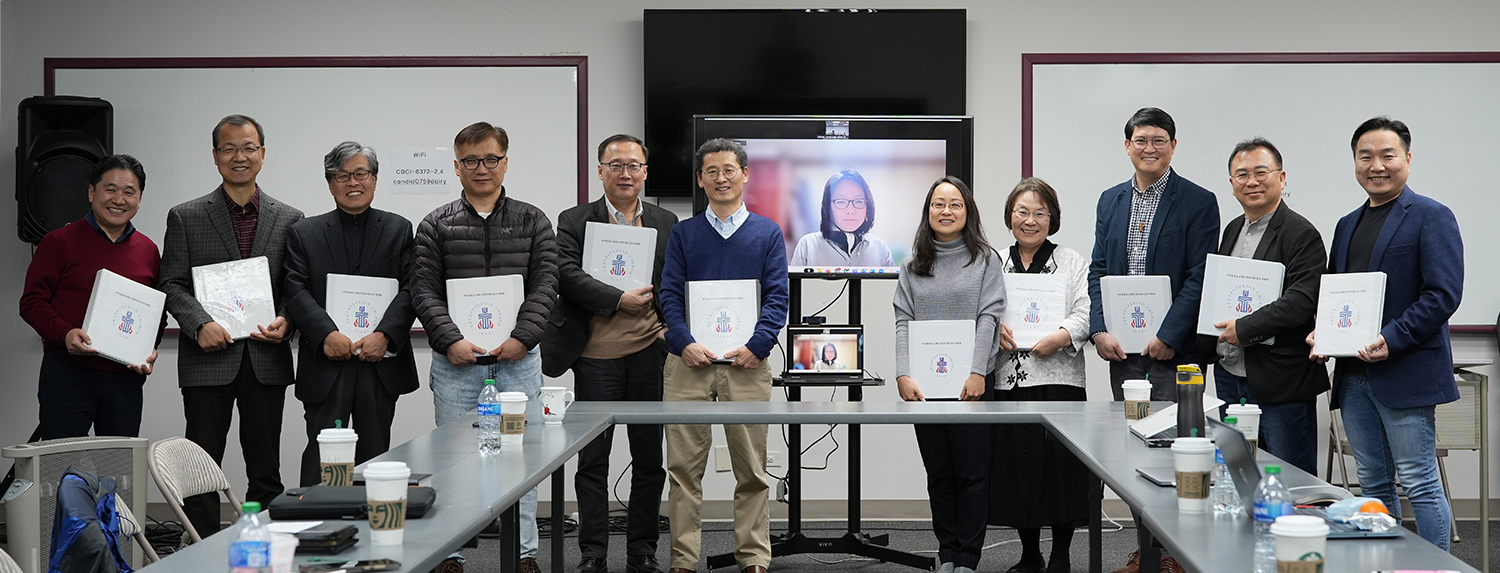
(1193, 445)
(1242, 409)
(387, 470)
(1136, 384)
(512, 396)
(335, 435)
(1300, 526)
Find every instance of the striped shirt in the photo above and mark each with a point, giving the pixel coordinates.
(243, 218)
(1142, 210)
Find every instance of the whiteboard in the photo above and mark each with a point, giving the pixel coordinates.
(165, 114)
(1309, 110)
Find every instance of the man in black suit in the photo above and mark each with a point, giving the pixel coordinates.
(339, 374)
(612, 339)
(1275, 376)
(235, 221)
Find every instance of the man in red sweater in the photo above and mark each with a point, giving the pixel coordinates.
(79, 389)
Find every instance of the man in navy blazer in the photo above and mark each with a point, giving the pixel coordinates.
(1157, 223)
(1388, 392)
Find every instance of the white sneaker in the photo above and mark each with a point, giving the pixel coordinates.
(962, 570)
(945, 568)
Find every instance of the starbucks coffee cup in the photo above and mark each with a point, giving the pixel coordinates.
(512, 417)
(1248, 416)
(1300, 543)
(1193, 458)
(336, 455)
(1137, 399)
(385, 492)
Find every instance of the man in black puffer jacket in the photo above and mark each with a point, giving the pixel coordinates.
(484, 233)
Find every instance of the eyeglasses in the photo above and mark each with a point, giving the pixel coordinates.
(231, 151)
(1155, 142)
(939, 206)
(472, 163)
(360, 175)
(1243, 177)
(847, 203)
(713, 173)
(632, 167)
(1040, 216)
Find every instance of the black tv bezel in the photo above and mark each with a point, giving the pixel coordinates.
(793, 330)
(957, 131)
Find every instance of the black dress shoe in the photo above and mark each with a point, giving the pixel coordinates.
(644, 563)
(591, 565)
(1024, 567)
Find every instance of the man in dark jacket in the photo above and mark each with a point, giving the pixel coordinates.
(342, 363)
(486, 232)
(612, 340)
(1276, 376)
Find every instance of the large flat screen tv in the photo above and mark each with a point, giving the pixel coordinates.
(792, 62)
(846, 191)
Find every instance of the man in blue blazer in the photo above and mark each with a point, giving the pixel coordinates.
(1157, 223)
(1388, 393)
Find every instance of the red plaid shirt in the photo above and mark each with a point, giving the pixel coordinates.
(243, 219)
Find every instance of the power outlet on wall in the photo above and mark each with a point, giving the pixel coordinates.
(774, 459)
(721, 459)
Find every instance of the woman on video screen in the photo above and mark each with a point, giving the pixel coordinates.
(828, 359)
(843, 238)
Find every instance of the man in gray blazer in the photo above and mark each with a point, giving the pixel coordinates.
(1275, 376)
(339, 374)
(612, 340)
(235, 221)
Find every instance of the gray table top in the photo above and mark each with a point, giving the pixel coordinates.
(473, 489)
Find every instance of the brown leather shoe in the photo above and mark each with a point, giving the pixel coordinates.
(681, 570)
(1170, 565)
(1133, 565)
(753, 569)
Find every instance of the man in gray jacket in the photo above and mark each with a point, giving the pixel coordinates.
(235, 221)
(483, 233)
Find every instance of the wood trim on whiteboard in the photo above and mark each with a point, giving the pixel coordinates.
(1030, 60)
(579, 63)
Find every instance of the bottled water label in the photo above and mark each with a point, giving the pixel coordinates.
(250, 554)
(1268, 512)
(489, 409)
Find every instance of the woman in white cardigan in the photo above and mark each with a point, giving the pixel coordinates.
(1035, 481)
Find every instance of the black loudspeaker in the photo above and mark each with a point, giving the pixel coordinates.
(62, 138)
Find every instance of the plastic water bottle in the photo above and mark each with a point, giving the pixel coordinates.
(1226, 498)
(489, 418)
(251, 550)
(1272, 500)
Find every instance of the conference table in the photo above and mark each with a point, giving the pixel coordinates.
(473, 490)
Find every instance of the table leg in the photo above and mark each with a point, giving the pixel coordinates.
(558, 528)
(1096, 528)
(510, 538)
(1150, 553)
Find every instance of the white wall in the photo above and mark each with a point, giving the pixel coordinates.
(610, 34)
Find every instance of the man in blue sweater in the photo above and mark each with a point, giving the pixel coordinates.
(727, 242)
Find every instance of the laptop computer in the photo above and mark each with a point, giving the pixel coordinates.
(825, 354)
(1162, 425)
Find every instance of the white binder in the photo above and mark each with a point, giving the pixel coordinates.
(123, 318)
(237, 294)
(357, 303)
(619, 255)
(941, 354)
(485, 308)
(722, 314)
(1134, 308)
(1350, 312)
(1234, 287)
(1035, 306)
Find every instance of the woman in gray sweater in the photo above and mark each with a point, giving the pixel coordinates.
(953, 274)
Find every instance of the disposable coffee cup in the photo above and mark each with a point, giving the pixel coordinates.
(1248, 424)
(1300, 543)
(1193, 458)
(336, 455)
(512, 417)
(1137, 399)
(385, 492)
(555, 402)
(283, 553)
